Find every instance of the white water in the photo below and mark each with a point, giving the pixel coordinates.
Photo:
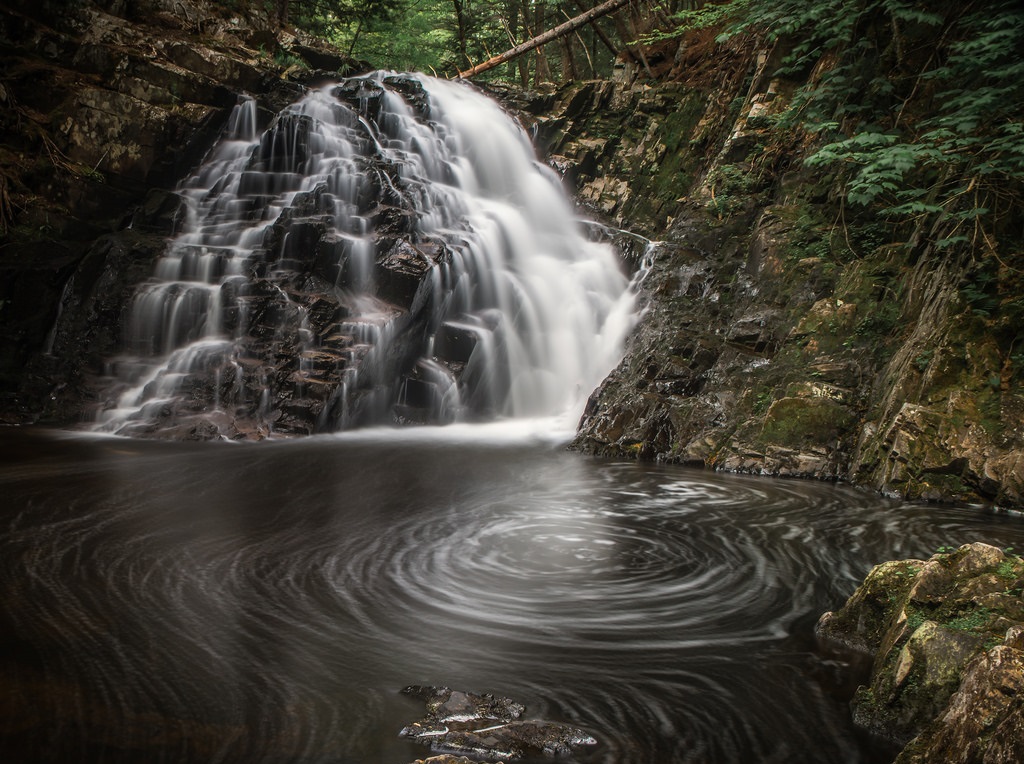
(517, 312)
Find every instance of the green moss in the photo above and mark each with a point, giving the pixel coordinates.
(802, 422)
(915, 617)
(1010, 568)
(762, 401)
(674, 173)
(972, 620)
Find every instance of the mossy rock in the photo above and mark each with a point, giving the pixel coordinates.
(927, 623)
(861, 624)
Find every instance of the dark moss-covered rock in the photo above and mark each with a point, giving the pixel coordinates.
(866, 619)
(775, 340)
(984, 720)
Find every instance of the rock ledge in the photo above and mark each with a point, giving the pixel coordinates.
(464, 723)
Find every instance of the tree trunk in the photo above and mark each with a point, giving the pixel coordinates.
(610, 6)
(541, 69)
(601, 34)
(568, 59)
(460, 21)
(524, 61)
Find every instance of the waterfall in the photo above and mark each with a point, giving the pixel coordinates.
(388, 250)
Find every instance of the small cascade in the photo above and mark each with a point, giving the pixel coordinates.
(388, 250)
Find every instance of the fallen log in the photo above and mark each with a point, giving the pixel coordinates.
(552, 34)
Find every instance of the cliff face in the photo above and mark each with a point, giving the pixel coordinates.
(778, 338)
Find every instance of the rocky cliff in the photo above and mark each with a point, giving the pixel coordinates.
(783, 336)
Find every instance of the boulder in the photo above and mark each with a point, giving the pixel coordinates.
(947, 640)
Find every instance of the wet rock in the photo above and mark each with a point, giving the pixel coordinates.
(866, 619)
(401, 268)
(756, 330)
(483, 725)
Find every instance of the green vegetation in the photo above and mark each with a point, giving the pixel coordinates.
(914, 111)
(448, 36)
(798, 422)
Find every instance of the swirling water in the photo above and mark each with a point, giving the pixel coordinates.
(265, 603)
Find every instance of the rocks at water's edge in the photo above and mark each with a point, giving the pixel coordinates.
(947, 638)
(482, 725)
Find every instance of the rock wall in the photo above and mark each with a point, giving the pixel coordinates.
(777, 339)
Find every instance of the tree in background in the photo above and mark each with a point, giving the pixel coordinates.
(329, 18)
(450, 36)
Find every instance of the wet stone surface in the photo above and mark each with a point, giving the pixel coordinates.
(465, 723)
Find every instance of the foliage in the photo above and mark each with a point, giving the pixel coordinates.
(419, 38)
(918, 107)
(448, 36)
(328, 17)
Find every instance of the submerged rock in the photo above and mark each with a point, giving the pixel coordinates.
(947, 639)
(485, 725)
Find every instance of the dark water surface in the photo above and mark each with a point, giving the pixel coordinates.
(265, 602)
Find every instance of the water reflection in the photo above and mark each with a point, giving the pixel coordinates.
(214, 602)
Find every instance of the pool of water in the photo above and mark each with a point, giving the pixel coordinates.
(214, 602)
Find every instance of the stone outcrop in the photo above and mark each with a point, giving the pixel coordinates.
(482, 725)
(947, 640)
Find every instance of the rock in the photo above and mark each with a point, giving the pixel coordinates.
(918, 682)
(935, 683)
(483, 725)
(984, 720)
(873, 610)
(105, 107)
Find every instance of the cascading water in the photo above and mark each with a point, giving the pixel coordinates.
(388, 250)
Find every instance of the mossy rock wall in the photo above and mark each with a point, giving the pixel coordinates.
(776, 341)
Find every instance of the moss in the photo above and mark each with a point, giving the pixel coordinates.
(971, 620)
(674, 173)
(803, 422)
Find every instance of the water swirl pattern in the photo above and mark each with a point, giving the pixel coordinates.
(388, 249)
(266, 603)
